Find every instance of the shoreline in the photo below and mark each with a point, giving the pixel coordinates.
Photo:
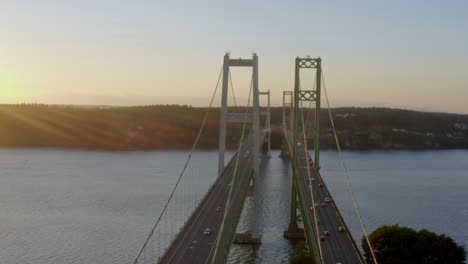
(125, 150)
(175, 128)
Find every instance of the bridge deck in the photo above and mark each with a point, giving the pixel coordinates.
(192, 245)
(338, 247)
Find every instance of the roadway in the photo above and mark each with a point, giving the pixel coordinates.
(192, 245)
(338, 247)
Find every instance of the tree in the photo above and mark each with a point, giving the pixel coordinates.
(402, 245)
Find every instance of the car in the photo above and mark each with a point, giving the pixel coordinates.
(218, 209)
(341, 229)
(326, 233)
(322, 238)
(320, 185)
(299, 144)
(323, 204)
(328, 200)
(311, 179)
(207, 232)
(194, 242)
(312, 208)
(230, 185)
(316, 204)
(245, 156)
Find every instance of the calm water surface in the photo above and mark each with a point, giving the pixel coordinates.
(65, 206)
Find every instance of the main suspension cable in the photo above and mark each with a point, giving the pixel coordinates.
(309, 178)
(348, 179)
(182, 172)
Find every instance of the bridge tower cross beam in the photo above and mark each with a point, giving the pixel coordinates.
(255, 119)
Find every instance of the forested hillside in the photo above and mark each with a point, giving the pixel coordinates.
(175, 127)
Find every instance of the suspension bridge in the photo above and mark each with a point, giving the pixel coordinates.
(208, 228)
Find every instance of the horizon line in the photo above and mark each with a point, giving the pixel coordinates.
(191, 106)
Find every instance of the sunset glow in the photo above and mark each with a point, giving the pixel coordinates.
(375, 54)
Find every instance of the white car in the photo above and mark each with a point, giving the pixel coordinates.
(218, 209)
(340, 229)
(207, 232)
(328, 200)
(326, 233)
(316, 204)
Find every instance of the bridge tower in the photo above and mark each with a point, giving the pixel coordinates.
(267, 115)
(308, 95)
(287, 121)
(232, 117)
(303, 95)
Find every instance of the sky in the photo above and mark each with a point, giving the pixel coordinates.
(405, 54)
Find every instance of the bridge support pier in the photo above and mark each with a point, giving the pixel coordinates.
(297, 234)
(284, 150)
(293, 215)
(293, 232)
(246, 238)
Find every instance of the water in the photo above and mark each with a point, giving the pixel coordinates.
(66, 206)
(426, 189)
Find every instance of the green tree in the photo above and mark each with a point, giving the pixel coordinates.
(402, 245)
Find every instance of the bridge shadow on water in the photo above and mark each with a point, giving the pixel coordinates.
(266, 213)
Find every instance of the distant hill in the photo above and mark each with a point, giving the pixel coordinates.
(175, 127)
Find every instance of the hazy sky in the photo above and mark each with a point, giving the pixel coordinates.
(411, 54)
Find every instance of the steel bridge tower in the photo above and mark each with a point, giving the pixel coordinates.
(287, 121)
(298, 96)
(308, 95)
(232, 117)
(267, 115)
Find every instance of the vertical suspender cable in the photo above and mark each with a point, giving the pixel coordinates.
(228, 202)
(311, 188)
(182, 172)
(309, 176)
